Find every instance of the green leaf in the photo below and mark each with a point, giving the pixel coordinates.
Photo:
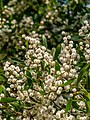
(68, 82)
(42, 65)
(18, 105)
(84, 91)
(75, 38)
(18, 61)
(1, 71)
(30, 82)
(83, 72)
(40, 83)
(2, 78)
(26, 43)
(88, 81)
(44, 41)
(1, 88)
(75, 105)
(88, 95)
(26, 87)
(57, 52)
(28, 74)
(34, 100)
(29, 79)
(57, 66)
(53, 52)
(88, 107)
(69, 105)
(2, 56)
(42, 92)
(7, 99)
(1, 4)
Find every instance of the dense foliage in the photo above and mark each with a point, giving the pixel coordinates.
(44, 60)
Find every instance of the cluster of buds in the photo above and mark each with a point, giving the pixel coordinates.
(84, 44)
(68, 57)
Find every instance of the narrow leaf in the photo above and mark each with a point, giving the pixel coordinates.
(43, 65)
(2, 56)
(88, 81)
(83, 72)
(53, 52)
(88, 95)
(2, 78)
(34, 100)
(7, 99)
(57, 66)
(84, 91)
(30, 83)
(68, 82)
(42, 92)
(1, 4)
(57, 52)
(44, 41)
(69, 105)
(1, 88)
(26, 43)
(75, 105)
(29, 79)
(88, 107)
(16, 59)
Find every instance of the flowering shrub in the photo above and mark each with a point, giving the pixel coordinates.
(37, 82)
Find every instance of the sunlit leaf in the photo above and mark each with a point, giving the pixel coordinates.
(7, 99)
(68, 82)
(1, 71)
(88, 107)
(53, 52)
(1, 4)
(42, 92)
(26, 43)
(1, 88)
(88, 95)
(69, 105)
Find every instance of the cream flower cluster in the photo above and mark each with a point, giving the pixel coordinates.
(46, 98)
(68, 57)
(85, 43)
(15, 80)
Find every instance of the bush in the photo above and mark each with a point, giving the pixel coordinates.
(45, 60)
